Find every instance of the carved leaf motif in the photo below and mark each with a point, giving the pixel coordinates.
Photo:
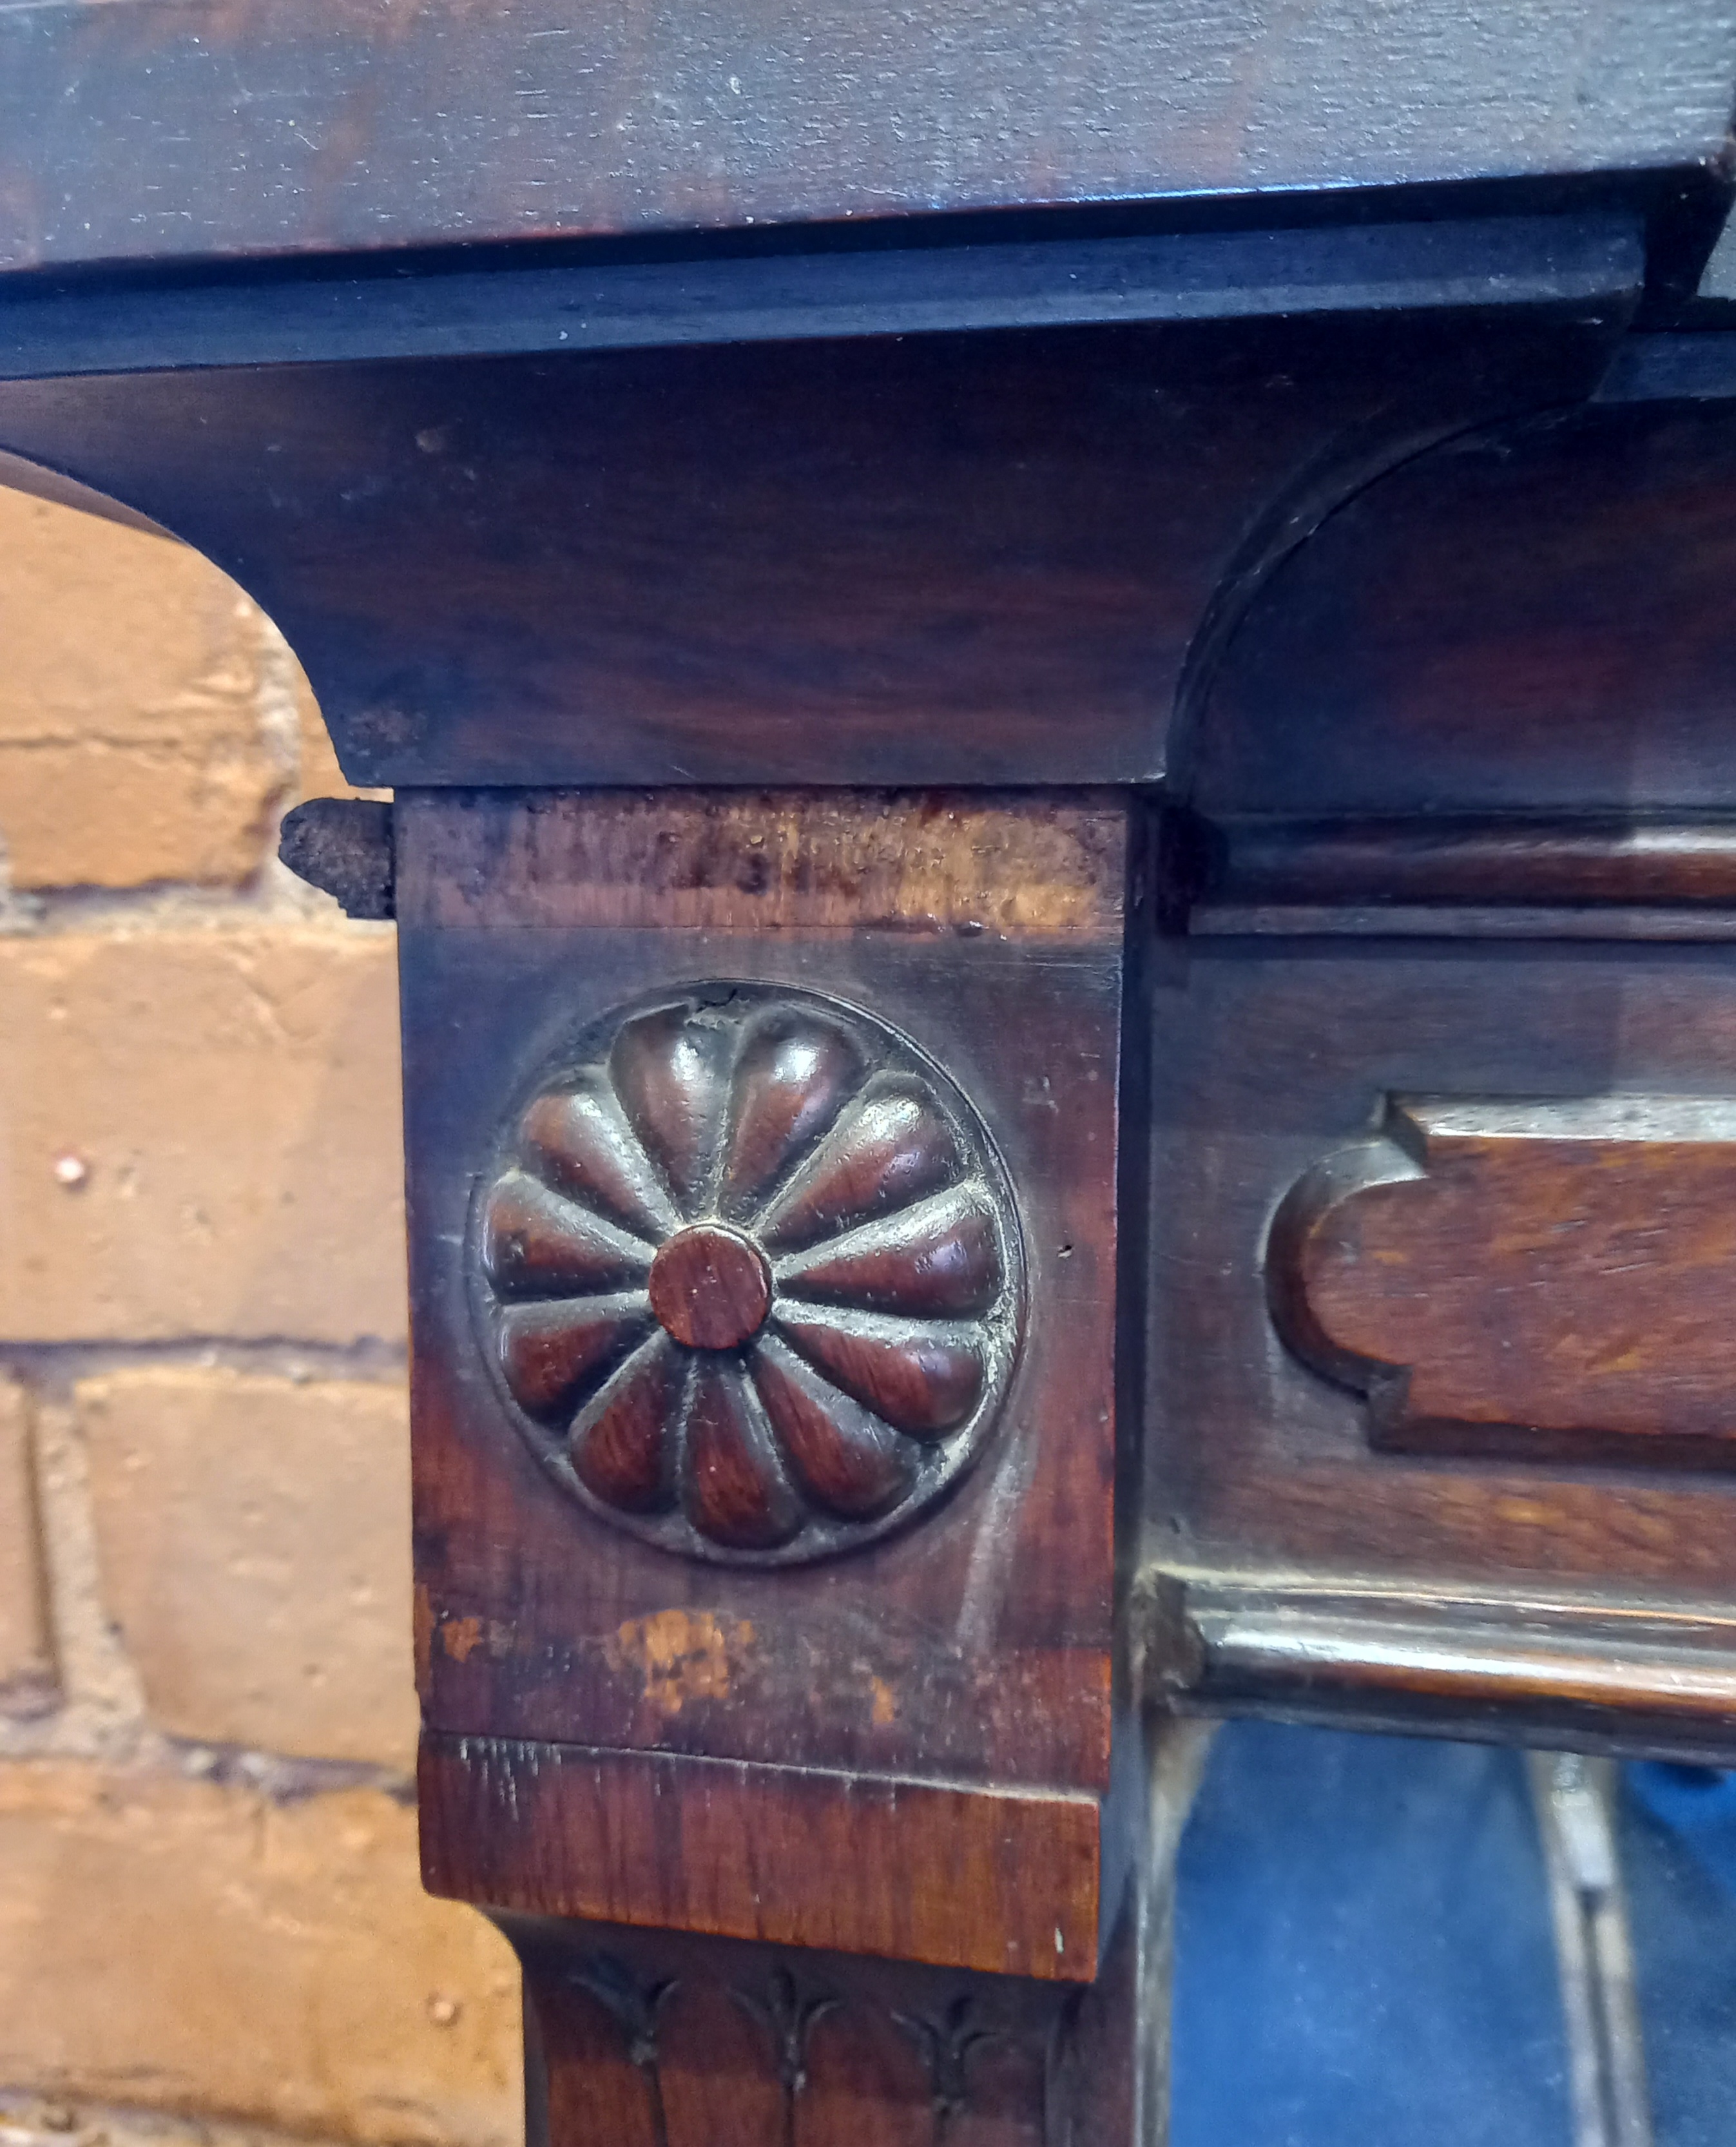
(752, 1274)
(949, 2047)
(634, 2004)
(788, 2020)
(636, 2007)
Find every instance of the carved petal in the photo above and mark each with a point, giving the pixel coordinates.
(670, 1070)
(735, 1490)
(923, 1381)
(535, 1243)
(893, 1147)
(933, 1261)
(580, 1142)
(620, 1446)
(552, 1354)
(791, 1081)
(848, 1461)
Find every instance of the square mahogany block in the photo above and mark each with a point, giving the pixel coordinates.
(762, 1157)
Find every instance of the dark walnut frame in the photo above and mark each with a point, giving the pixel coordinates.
(1065, 891)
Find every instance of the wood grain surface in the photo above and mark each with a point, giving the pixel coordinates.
(157, 129)
(1640, 860)
(658, 2039)
(1526, 1276)
(975, 560)
(1269, 1056)
(1010, 865)
(974, 1645)
(1006, 1883)
(1528, 621)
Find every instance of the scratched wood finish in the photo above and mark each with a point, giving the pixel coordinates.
(970, 1649)
(1547, 1277)
(958, 1878)
(665, 2040)
(767, 861)
(1270, 1057)
(162, 131)
(942, 559)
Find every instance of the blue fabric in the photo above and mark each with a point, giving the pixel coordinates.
(1697, 1804)
(1676, 1848)
(1364, 1952)
(1363, 1949)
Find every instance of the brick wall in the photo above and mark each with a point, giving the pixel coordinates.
(209, 1909)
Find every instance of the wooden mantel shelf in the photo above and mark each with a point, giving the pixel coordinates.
(181, 131)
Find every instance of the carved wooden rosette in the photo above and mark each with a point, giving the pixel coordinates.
(748, 1273)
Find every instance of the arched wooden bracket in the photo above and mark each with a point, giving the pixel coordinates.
(1544, 1278)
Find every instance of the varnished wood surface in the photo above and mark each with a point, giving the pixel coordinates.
(157, 129)
(750, 1275)
(1638, 859)
(1266, 1059)
(962, 1877)
(1525, 621)
(710, 1286)
(659, 2040)
(1655, 1678)
(944, 559)
(974, 1645)
(1550, 1277)
(1638, 874)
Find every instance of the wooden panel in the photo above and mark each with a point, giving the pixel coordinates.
(1267, 1058)
(974, 559)
(669, 2041)
(157, 128)
(958, 1878)
(1537, 1277)
(972, 1645)
(1528, 620)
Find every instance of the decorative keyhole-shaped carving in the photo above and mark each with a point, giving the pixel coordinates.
(1531, 1276)
(748, 1271)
